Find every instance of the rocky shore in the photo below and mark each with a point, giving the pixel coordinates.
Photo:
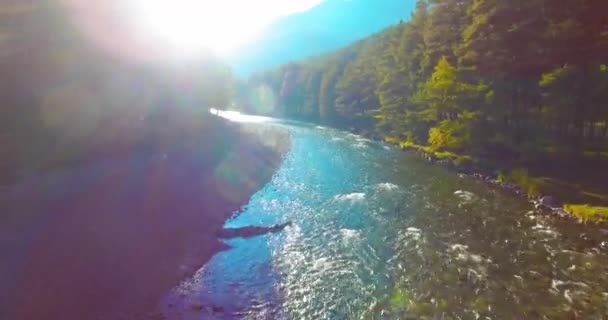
(547, 204)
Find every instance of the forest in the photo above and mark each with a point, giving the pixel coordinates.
(516, 83)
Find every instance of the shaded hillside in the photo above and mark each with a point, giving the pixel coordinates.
(114, 177)
(108, 238)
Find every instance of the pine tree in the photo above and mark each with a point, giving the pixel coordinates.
(400, 75)
(443, 31)
(445, 102)
(356, 89)
(310, 109)
(327, 95)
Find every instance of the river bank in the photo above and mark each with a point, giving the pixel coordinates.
(106, 239)
(549, 188)
(568, 188)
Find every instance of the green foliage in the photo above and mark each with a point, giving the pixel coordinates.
(462, 74)
(445, 100)
(440, 94)
(588, 213)
(452, 135)
(501, 177)
(504, 80)
(458, 160)
(326, 96)
(520, 177)
(399, 298)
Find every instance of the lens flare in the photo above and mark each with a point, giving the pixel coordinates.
(219, 26)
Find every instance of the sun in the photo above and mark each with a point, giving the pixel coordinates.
(220, 26)
(190, 25)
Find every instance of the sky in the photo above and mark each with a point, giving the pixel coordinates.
(220, 26)
(143, 31)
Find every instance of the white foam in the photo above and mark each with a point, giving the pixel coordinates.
(413, 233)
(357, 196)
(478, 274)
(465, 195)
(349, 234)
(458, 247)
(387, 186)
(463, 254)
(475, 258)
(322, 264)
(555, 284)
(545, 230)
(567, 296)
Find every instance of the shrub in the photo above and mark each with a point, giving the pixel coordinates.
(450, 135)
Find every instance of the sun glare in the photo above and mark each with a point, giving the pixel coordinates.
(220, 26)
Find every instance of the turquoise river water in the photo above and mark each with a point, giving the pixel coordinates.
(380, 234)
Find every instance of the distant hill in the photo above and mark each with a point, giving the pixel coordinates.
(332, 24)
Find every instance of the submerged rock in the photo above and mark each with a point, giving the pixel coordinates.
(251, 231)
(357, 196)
(547, 202)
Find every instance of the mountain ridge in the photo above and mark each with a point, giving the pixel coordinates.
(327, 26)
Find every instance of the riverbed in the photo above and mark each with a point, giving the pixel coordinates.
(380, 234)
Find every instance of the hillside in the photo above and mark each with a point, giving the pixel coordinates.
(330, 25)
(477, 82)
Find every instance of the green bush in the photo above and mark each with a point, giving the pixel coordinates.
(448, 135)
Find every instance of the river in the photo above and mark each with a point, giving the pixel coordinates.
(380, 234)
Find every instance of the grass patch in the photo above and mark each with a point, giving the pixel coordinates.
(574, 192)
(400, 298)
(411, 145)
(580, 182)
(587, 212)
(459, 160)
(519, 176)
(595, 154)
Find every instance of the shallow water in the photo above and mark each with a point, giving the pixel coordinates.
(379, 234)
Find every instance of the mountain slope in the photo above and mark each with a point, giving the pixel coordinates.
(332, 24)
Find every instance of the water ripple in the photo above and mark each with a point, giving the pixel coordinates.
(383, 235)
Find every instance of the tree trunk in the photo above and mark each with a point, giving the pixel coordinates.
(584, 104)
